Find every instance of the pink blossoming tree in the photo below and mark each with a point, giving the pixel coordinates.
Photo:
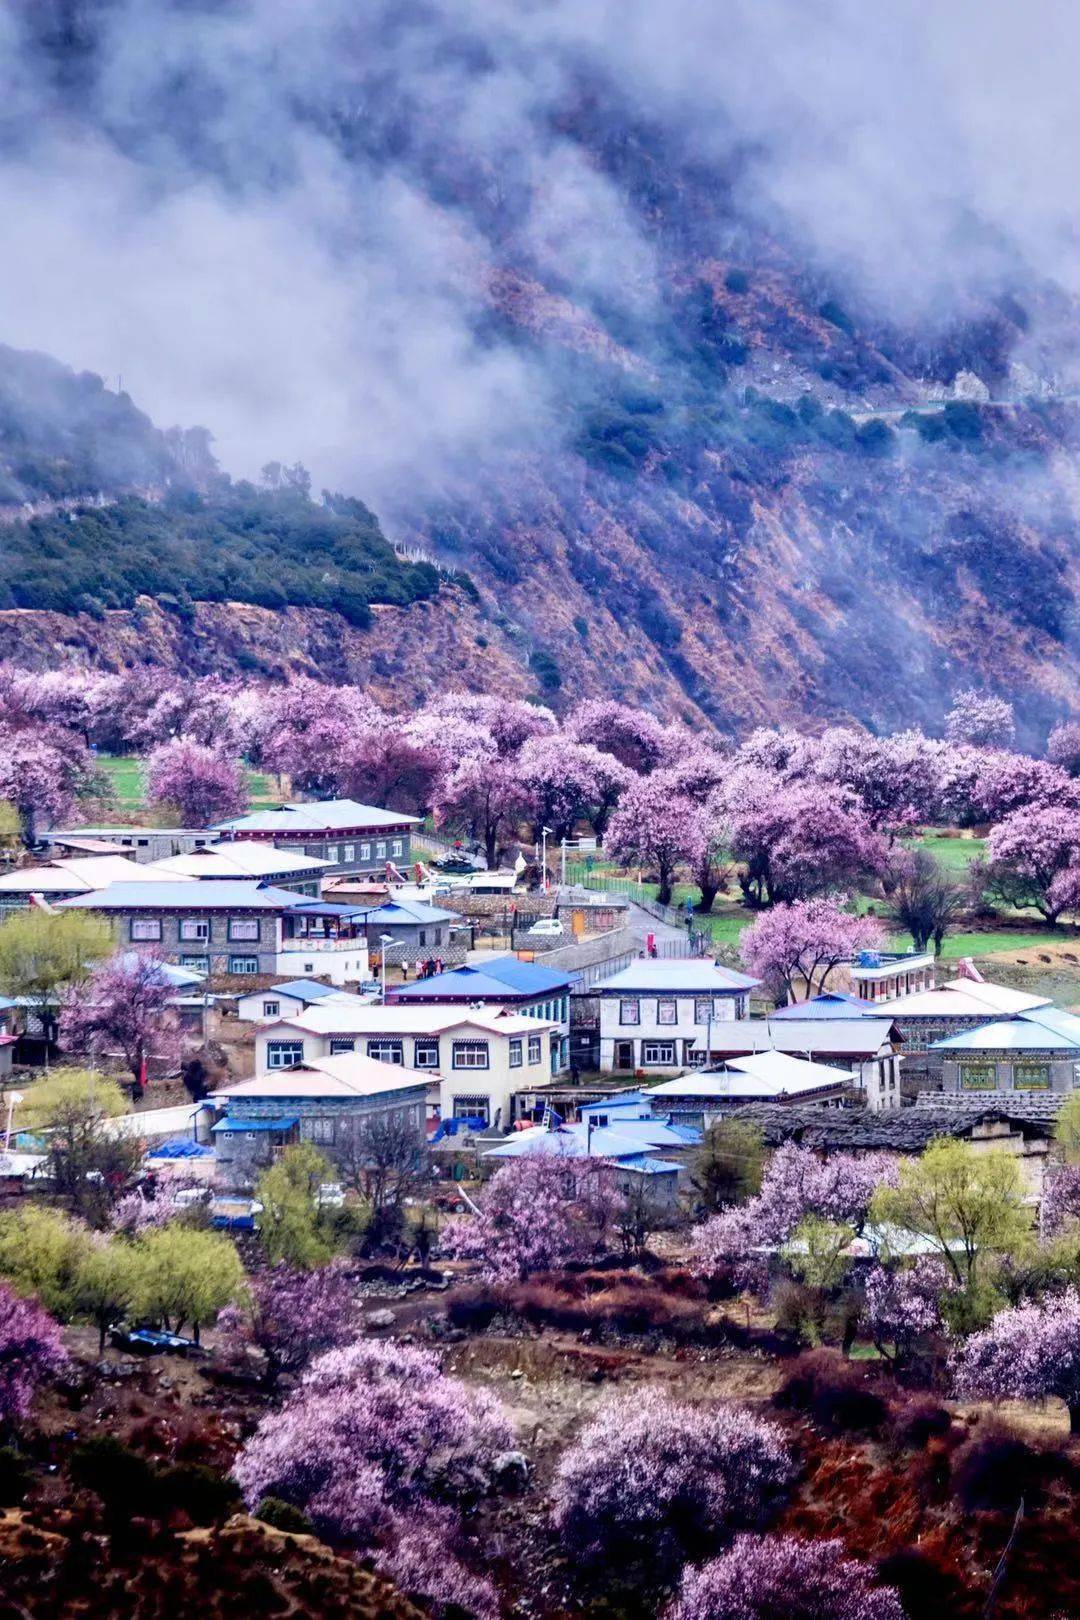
(795, 947)
(377, 1445)
(985, 722)
(657, 827)
(635, 737)
(1027, 853)
(124, 1010)
(31, 1352)
(1063, 747)
(782, 1578)
(539, 1212)
(484, 798)
(902, 1305)
(44, 772)
(1027, 1353)
(293, 1316)
(795, 840)
(651, 1480)
(195, 783)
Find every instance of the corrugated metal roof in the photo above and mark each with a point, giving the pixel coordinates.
(849, 1037)
(1011, 1035)
(302, 816)
(187, 895)
(487, 981)
(683, 975)
(831, 1005)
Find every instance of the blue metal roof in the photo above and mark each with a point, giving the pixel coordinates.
(313, 816)
(232, 1125)
(304, 990)
(833, 1004)
(492, 981)
(410, 911)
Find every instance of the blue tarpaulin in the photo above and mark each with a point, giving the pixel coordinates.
(181, 1147)
(256, 1124)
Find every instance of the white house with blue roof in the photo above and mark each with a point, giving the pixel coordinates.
(658, 1015)
(294, 996)
(648, 1151)
(503, 982)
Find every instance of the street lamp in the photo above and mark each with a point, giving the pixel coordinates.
(14, 1098)
(545, 833)
(384, 941)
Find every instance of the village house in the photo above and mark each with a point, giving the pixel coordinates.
(775, 1077)
(65, 876)
(644, 1155)
(963, 1004)
(329, 1102)
(1038, 1050)
(140, 843)
(259, 863)
(501, 982)
(882, 975)
(348, 836)
(230, 927)
(866, 1049)
(293, 996)
(653, 1014)
(417, 932)
(1024, 1128)
(479, 1059)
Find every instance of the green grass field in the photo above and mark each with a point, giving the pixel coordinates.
(125, 774)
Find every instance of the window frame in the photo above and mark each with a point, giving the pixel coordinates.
(536, 1050)
(709, 1014)
(201, 934)
(625, 1004)
(667, 1012)
(245, 972)
(377, 1045)
(244, 938)
(656, 1047)
(425, 1046)
(271, 1009)
(275, 1050)
(516, 1058)
(140, 938)
(463, 1049)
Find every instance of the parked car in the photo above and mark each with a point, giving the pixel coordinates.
(547, 927)
(150, 1342)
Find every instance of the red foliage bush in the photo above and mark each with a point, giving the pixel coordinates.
(918, 1421)
(993, 1469)
(832, 1393)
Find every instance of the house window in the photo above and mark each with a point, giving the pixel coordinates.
(342, 1043)
(658, 1052)
(196, 928)
(1031, 1076)
(380, 850)
(703, 1009)
(271, 1009)
(471, 1055)
(198, 964)
(146, 927)
(535, 1048)
(978, 1077)
(244, 928)
(472, 1108)
(599, 1121)
(318, 1130)
(426, 1055)
(243, 964)
(350, 853)
(667, 1010)
(396, 847)
(331, 853)
(284, 1054)
(365, 852)
(629, 1012)
(515, 1053)
(694, 1059)
(386, 1051)
(423, 936)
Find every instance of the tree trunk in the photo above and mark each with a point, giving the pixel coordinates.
(491, 846)
(709, 892)
(664, 891)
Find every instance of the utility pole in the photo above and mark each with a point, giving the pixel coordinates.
(544, 833)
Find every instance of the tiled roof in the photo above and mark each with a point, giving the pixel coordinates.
(897, 1130)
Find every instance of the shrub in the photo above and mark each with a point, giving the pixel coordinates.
(832, 1393)
(919, 1421)
(125, 1481)
(14, 1477)
(283, 1516)
(202, 1493)
(996, 1467)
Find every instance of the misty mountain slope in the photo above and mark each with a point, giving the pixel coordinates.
(664, 322)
